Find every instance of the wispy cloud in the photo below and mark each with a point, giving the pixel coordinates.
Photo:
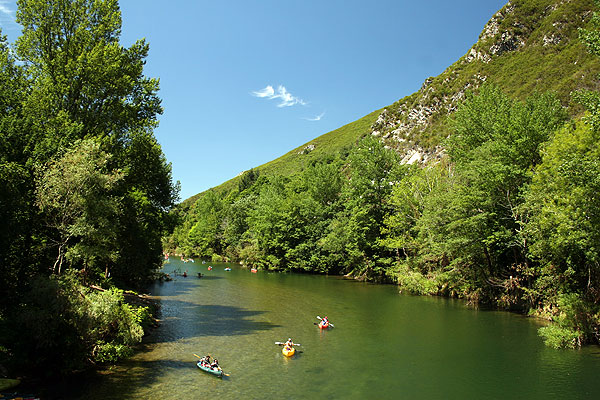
(4, 9)
(317, 118)
(7, 18)
(285, 97)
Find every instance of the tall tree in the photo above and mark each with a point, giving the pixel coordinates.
(475, 220)
(75, 194)
(372, 170)
(84, 84)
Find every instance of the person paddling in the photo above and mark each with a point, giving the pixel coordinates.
(289, 343)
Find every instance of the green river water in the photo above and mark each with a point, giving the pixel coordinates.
(385, 345)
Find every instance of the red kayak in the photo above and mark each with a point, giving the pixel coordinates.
(324, 325)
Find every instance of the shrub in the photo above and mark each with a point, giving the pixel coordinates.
(559, 338)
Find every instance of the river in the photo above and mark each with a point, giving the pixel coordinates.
(385, 345)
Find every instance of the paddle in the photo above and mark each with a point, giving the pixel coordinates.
(293, 344)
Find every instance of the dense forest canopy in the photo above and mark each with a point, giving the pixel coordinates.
(506, 216)
(86, 189)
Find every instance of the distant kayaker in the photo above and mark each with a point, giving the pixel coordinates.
(289, 343)
(215, 364)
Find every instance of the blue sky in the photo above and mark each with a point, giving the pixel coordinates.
(244, 82)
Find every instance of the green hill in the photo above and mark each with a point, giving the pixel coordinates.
(505, 212)
(528, 46)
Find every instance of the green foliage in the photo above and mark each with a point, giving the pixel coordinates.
(85, 185)
(507, 217)
(563, 207)
(415, 282)
(578, 322)
(63, 324)
(591, 99)
(74, 195)
(559, 338)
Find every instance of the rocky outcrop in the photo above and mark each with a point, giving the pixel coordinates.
(411, 125)
(307, 149)
(398, 127)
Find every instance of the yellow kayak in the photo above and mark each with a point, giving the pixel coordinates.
(288, 351)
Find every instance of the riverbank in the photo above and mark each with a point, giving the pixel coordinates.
(136, 309)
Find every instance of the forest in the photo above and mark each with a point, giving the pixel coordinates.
(85, 188)
(508, 218)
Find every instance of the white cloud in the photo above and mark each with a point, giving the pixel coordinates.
(4, 9)
(317, 118)
(286, 98)
(7, 18)
(266, 92)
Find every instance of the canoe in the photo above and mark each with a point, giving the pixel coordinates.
(288, 351)
(324, 325)
(216, 372)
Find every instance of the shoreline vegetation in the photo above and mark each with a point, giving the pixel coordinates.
(507, 215)
(86, 190)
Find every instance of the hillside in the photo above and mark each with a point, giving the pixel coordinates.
(528, 46)
(506, 212)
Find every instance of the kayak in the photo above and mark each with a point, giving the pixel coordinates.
(209, 268)
(216, 372)
(253, 270)
(288, 351)
(324, 325)
(227, 269)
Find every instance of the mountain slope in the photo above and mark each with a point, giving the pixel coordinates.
(528, 46)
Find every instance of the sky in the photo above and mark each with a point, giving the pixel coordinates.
(245, 81)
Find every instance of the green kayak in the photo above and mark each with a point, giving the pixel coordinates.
(214, 371)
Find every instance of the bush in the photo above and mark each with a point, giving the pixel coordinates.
(111, 352)
(578, 322)
(415, 282)
(560, 338)
(64, 325)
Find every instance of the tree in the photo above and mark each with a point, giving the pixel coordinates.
(204, 236)
(474, 220)
(564, 213)
(75, 196)
(84, 83)
(372, 170)
(591, 99)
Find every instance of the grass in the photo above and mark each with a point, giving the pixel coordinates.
(296, 160)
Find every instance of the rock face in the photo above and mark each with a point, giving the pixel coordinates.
(412, 125)
(307, 149)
